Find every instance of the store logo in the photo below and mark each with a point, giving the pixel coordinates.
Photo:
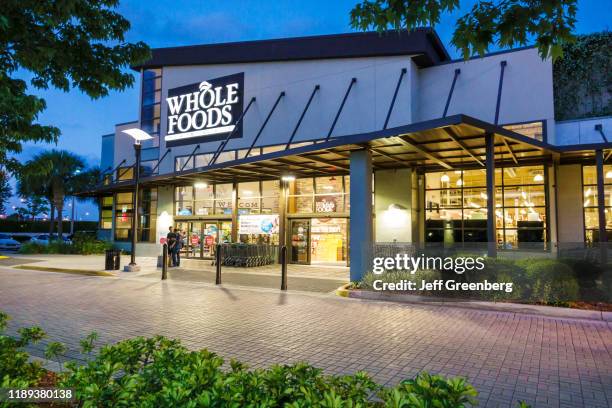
(205, 111)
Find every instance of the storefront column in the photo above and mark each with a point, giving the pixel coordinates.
(234, 212)
(361, 237)
(282, 216)
(601, 196)
(490, 170)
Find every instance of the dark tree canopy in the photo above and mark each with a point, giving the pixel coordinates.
(504, 23)
(63, 44)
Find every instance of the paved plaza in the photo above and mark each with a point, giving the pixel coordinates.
(507, 357)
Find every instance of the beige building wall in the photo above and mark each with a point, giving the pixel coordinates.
(570, 218)
(393, 205)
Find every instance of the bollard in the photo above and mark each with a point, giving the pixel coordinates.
(164, 261)
(218, 265)
(283, 258)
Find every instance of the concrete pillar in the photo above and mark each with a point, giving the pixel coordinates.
(393, 205)
(490, 169)
(361, 213)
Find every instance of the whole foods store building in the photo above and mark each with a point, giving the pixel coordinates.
(331, 144)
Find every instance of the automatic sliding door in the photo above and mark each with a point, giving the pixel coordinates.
(300, 241)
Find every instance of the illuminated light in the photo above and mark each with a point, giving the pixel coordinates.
(138, 134)
(288, 177)
(200, 184)
(498, 205)
(609, 174)
(588, 192)
(524, 195)
(459, 183)
(474, 205)
(538, 178)
(445, 178)
(587, 202)
(523, 212)
(483, 195)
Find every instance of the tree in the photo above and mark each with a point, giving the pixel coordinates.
(52, 174)
(505, 23)
(5, 191)
(34, 205)
(65, 44)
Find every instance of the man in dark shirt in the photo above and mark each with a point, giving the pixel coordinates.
(171, 240)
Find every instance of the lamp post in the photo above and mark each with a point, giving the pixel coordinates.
(138, 135)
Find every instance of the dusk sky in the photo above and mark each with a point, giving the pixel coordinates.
(187, 22)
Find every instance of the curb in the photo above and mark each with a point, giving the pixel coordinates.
(545, 311)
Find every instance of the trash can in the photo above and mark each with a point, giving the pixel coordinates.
(112, 259)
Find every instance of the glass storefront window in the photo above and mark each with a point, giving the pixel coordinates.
(590, 202)
(456, 206)
(319, 195)
(106, 212)
(123, 216)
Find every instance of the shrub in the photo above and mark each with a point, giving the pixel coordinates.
(16, 371)
(549, 281)
(82, 244)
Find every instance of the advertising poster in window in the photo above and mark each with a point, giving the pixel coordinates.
(258, 224)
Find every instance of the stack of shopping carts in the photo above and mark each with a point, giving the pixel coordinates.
(248, 255)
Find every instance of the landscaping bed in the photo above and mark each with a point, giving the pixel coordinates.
(568, 283)
(160, 372)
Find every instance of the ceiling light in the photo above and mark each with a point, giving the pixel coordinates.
(288, 177)
(609, 174)
(445, 178)
(538, 178)
(200, 185)
(459, 183)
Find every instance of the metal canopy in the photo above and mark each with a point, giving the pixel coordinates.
(453, 142)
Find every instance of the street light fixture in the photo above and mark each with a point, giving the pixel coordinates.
(138, 135)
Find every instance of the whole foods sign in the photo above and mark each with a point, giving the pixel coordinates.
(205, 111)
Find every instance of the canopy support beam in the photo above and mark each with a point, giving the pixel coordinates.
(263, 126)
(299, 122)
(348, 90)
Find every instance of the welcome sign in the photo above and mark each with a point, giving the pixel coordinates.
(205, 111)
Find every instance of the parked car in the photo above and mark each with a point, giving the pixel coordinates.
(43, 239)
(8, 243)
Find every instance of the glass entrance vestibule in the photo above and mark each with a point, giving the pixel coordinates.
(201, 237)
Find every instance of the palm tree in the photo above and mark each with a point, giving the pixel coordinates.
(53, 174)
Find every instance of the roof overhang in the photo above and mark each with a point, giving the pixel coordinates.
(453, 142)
(423, 44)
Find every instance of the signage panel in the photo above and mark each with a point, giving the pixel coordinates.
(258, 224)
(205, 111)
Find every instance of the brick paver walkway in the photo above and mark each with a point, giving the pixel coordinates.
(508, 357)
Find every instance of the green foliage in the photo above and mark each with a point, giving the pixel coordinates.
(426, 390)
(15, 368)
(82, 244)
(65, 44)
(549, 281)
(504, 23)
(5, 191)
(582, 83)
(153, 372)
(159, 372)
(534, 280)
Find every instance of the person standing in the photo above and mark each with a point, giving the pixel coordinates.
(171, 240)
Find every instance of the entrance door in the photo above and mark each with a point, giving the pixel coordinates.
(194, 242)
(211, 237)
(328, 241)
(300, 241)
